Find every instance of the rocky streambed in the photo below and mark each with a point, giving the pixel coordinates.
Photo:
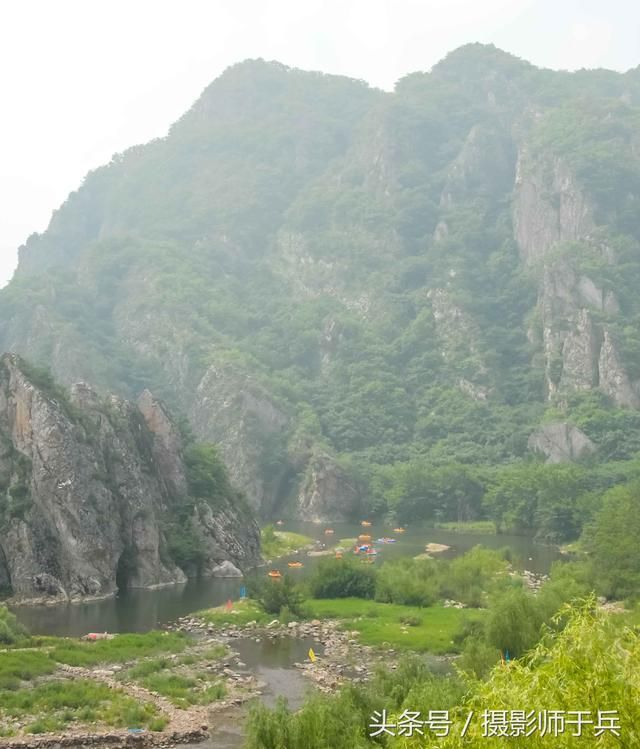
(338, 654)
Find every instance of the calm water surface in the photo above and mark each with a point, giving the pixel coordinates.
(142, 610)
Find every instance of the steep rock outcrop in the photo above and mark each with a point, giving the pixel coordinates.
(561, 442)
(458, 334)
(614, 380)
(86, 488)
(555, 228)
(232, 409)
(227, 535)
(328, 492)
(167, 442)
(549, 206)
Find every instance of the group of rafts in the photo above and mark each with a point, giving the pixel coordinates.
(364, 548)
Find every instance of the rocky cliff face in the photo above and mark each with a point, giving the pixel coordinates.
(231, 408)
(555, 226)
(327, 492)
(561, 442)
(87, 485)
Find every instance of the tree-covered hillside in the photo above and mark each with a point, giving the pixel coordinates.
(372, 301)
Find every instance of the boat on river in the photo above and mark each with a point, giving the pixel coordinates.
(363, 538)
(362, 548)
(365, 524)
(386, 540)
(329, 532)
(399, 530)
(275, 574)
(295, 565)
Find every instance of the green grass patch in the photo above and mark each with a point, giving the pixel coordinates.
(121, 649)
(145, 668)
(429, 629)
(469, 526)
(630, 617)
(183, 679)
(54, 705)
(25, 665)
(242, 613)
(184, 691)
(280, 543)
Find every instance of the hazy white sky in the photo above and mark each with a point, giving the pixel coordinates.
(83, 79)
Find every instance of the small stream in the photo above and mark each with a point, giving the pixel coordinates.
(272, 661)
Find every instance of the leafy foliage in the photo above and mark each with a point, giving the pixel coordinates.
(275, 596)
(613, 542)
(10, 629)
(342, 578)
(580, 664)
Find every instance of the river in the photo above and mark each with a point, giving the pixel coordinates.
(142, 610)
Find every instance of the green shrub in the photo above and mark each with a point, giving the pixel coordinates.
(343, 578)
(276, 596)
(10, 629)
(410, 621)
(409, 582)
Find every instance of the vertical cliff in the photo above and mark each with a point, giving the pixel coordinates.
(555, 224)
(87, 487)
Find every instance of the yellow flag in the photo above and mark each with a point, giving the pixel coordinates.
(312, 655)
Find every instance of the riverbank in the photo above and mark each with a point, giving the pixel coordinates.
(157, 689)
(277, 543)
(486, 527)
(161, 688)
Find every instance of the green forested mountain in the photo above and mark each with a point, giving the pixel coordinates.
(372, 301)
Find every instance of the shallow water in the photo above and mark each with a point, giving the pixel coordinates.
(272, 661)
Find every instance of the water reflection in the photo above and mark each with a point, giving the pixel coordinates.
(132, 611)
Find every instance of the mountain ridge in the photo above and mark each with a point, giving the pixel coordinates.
(329, 279)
